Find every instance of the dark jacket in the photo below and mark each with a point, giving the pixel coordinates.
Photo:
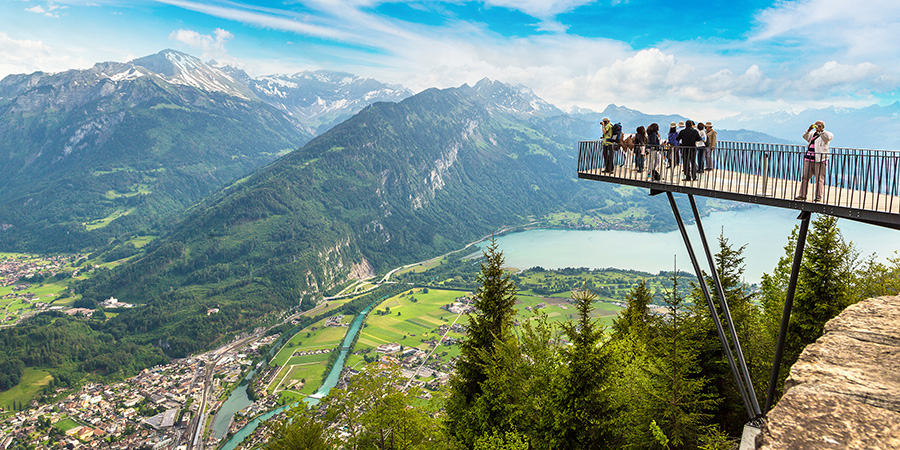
(688, 137)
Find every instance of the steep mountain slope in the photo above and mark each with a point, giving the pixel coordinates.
(98, 155)
(395, 183)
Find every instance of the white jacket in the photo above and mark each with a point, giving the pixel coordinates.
(821, 143)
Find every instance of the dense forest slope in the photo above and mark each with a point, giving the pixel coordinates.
(396, 183)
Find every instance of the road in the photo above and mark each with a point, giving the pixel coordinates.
(199, 424)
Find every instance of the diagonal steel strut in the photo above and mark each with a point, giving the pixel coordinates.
(738, 377)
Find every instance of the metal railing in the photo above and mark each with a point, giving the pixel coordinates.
(859, 179)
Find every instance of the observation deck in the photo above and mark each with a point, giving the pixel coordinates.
(862, 185)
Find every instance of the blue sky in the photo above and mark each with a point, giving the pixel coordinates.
(713, 59)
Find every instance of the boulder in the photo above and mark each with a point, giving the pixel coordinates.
(844, 390)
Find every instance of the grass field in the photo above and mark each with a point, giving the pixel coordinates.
(407, 322)
(422, 266)
(66, 424)
(294, 369)
(137, 189)
(32, 381)
(140, 241)
(100, 223)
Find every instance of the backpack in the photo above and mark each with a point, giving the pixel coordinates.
(673, 139)
(616, 135)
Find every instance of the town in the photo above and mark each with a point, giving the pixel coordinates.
(174, 406)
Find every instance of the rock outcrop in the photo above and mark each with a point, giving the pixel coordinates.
(844, 390)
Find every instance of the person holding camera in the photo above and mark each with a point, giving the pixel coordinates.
(814, 160)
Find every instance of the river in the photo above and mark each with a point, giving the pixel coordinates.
(765, 230)
(240, 394)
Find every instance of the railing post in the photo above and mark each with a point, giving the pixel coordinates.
(765, 170)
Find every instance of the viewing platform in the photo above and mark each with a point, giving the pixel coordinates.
(861, 185)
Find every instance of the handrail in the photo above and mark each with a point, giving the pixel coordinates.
(860, 179)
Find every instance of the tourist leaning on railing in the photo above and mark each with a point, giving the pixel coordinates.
(815, 159)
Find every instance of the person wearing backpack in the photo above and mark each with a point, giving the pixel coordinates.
(608, 151)
(672, 140)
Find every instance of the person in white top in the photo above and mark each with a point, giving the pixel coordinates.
(815, 159)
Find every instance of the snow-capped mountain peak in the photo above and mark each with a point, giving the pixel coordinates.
(180, 68)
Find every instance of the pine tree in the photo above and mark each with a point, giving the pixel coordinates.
(823, 288)
(487, 344)
(583, 409)
(678, 398)
(749, 324)
(635, 318)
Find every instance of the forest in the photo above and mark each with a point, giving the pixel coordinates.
(650, 381)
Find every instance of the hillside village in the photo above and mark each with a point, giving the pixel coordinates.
(22, 276)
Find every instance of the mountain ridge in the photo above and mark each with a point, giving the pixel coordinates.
(99, 155)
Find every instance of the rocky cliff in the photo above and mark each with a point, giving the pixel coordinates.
(844, 391)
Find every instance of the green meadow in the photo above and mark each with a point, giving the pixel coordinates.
(288, 382)
(100, 223)
(32, 381)
(409, 318)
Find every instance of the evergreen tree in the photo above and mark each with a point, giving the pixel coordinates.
(583, 409)
(876, 279)
(469, 416)
(678, 399)
(635, 318)
(749, 324)
(823, 288)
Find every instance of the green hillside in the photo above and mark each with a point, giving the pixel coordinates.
(78, 153)
(395, 183)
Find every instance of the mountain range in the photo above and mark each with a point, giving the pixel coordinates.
(94, 156)
(872, 127)
(255, 214)
(395, 183)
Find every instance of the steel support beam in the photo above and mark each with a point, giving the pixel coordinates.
(742, 363)
(712, 307)
(788, 304)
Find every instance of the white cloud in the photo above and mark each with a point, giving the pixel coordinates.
(836, 75)
(268, 18)
(861, 30)
(211, 46)
(27, 56)
(48, 11)
(542, 9)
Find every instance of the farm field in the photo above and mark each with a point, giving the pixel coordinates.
(32, 381)
(317, 341)
(410, 318)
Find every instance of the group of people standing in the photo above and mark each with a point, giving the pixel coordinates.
(693, 147)
(686, 145)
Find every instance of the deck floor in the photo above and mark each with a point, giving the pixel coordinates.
(742, 184)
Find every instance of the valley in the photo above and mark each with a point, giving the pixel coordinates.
(416, 329)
